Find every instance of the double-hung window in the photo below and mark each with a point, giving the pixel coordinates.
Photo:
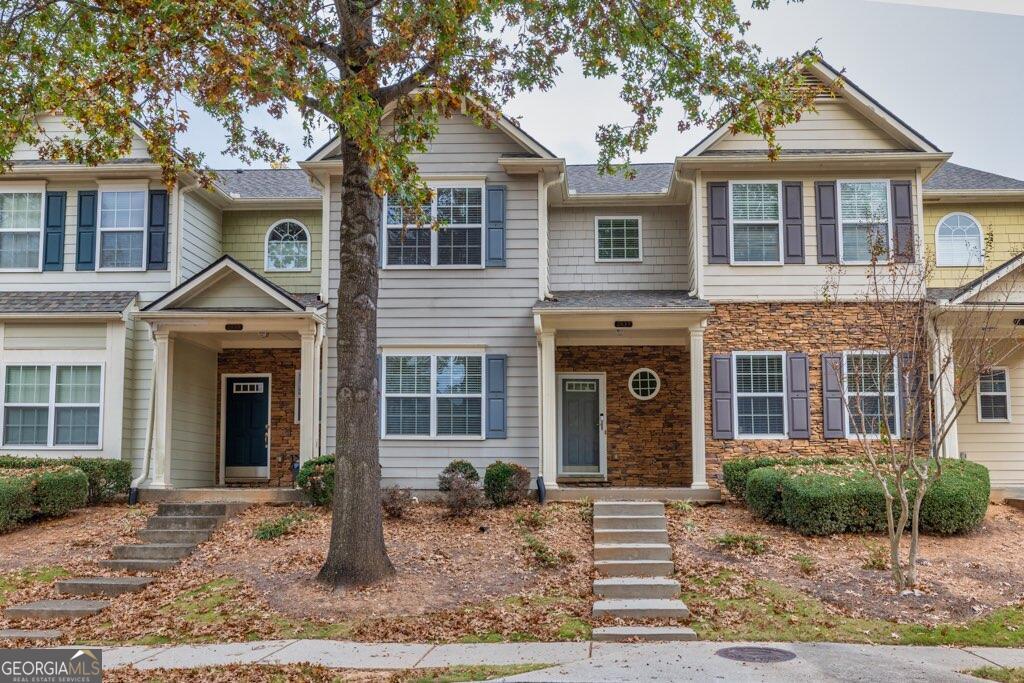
(121, 243)
(864, 220)
(617, 238)
(433, 395)
(21, 229)
(756, 221)
(872, 394)
(994, 396)
(459, 240)
(760, 395)
(52, 405)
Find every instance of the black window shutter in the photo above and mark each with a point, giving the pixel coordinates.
(902, 222)
(798, 395)
(721, 396)
(793, 221)
(495, 226)
(718, 222)
(53, 234)
(497, 396)
(157, 257)
(833, 411)
(826, 217)
(85, 242)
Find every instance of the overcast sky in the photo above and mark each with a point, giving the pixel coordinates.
(954, 75)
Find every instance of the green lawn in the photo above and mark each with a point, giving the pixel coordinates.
(18, 580)
(998, 673)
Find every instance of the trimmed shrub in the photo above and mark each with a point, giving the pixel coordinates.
(396, 500)
(736, 471)
(107, 478)
(957, 501)
(15, 501)
(824, 504)
(463, 467)
(316, 479)
(506, 483)
(463, 496)
(58, 491)
(763, 489)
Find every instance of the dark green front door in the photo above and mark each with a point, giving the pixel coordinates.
(581, 425)
(246, 430)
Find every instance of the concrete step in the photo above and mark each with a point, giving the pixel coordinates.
(635, 508)
(630, 536)
(192, 509)
(103, 585)
(152, 551)
(29, 634)
(645, 608)
(649, 522)
(632, 551)
(624, 587)
(48, 610)
(634, 567)
(193, 536)
(618, 634)
(139, 565)
(183, 522)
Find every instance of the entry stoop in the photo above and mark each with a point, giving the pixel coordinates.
(633, 557)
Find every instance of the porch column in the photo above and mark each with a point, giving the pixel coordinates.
(945, 399)
(700, 475)
(163, 374)
(549, 411)
(309, 400)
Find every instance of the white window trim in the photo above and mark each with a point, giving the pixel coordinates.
(897, 395)
(657, 384)
(981, 242)
(434, 354)
(736, 397)
(129, 187)
(298, 395)
(266, 248)
(639, 235)
(16, 187)
(52, 405)
(732, 243)
(839, 217)
(1009, 415)
(434, 186)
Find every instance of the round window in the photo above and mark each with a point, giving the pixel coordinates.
(644, 384)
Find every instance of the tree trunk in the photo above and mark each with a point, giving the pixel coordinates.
(357, 555)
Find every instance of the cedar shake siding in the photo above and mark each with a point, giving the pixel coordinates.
(245, 238)
(648, 441)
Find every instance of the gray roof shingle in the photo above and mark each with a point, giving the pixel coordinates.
(624, 300)
(267, 183)
(957, 177)
(65, 302)
(650, 179)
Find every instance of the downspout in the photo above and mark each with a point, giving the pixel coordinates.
(133, 493)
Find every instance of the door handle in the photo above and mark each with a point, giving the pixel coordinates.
(602, 422)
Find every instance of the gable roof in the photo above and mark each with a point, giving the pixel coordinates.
(866, 105)
(952, 176)
(266, 183)
(960, 295)
(583, 179)
(213, 272)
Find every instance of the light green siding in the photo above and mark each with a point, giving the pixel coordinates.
(245, 235)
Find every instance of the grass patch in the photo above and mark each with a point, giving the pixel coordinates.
(753, 544)
(574, 628)
(681, 506)
(808, 565)
(496, 637)
(769, 611)
(457, 674)
(877, 557)
(26, 577)
(998, 673)
(544, 555)
(275, 528)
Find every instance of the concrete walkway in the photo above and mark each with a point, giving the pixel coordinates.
(692, 661)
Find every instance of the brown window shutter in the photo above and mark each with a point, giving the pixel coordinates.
(902, 222)
(793, 221)
(718, 222)
(826, 216)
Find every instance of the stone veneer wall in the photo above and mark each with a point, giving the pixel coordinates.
(811, 328)
(648, 441)
(284, 433)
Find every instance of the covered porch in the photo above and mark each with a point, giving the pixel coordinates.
(621, 378)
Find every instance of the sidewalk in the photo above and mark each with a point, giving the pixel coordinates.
(693, 661)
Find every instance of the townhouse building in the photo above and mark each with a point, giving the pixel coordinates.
(601, 331)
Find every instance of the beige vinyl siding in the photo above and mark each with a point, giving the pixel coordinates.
(794, 281)
(997, 445)
(664, 237)
(56, 127)
(193, 416)
(431, 307)
(245, 235)
(54, 336)
(201, 234)
(835, 125)
(232, 291)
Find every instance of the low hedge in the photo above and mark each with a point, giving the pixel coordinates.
(108, 479)
(46, 492)
(316, 479)
(823, 503)
(15, 501)
(736, 470)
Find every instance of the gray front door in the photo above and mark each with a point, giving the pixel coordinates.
(581, 425)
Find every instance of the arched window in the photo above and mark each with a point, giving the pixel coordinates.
(287, 247)
(958, 241)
